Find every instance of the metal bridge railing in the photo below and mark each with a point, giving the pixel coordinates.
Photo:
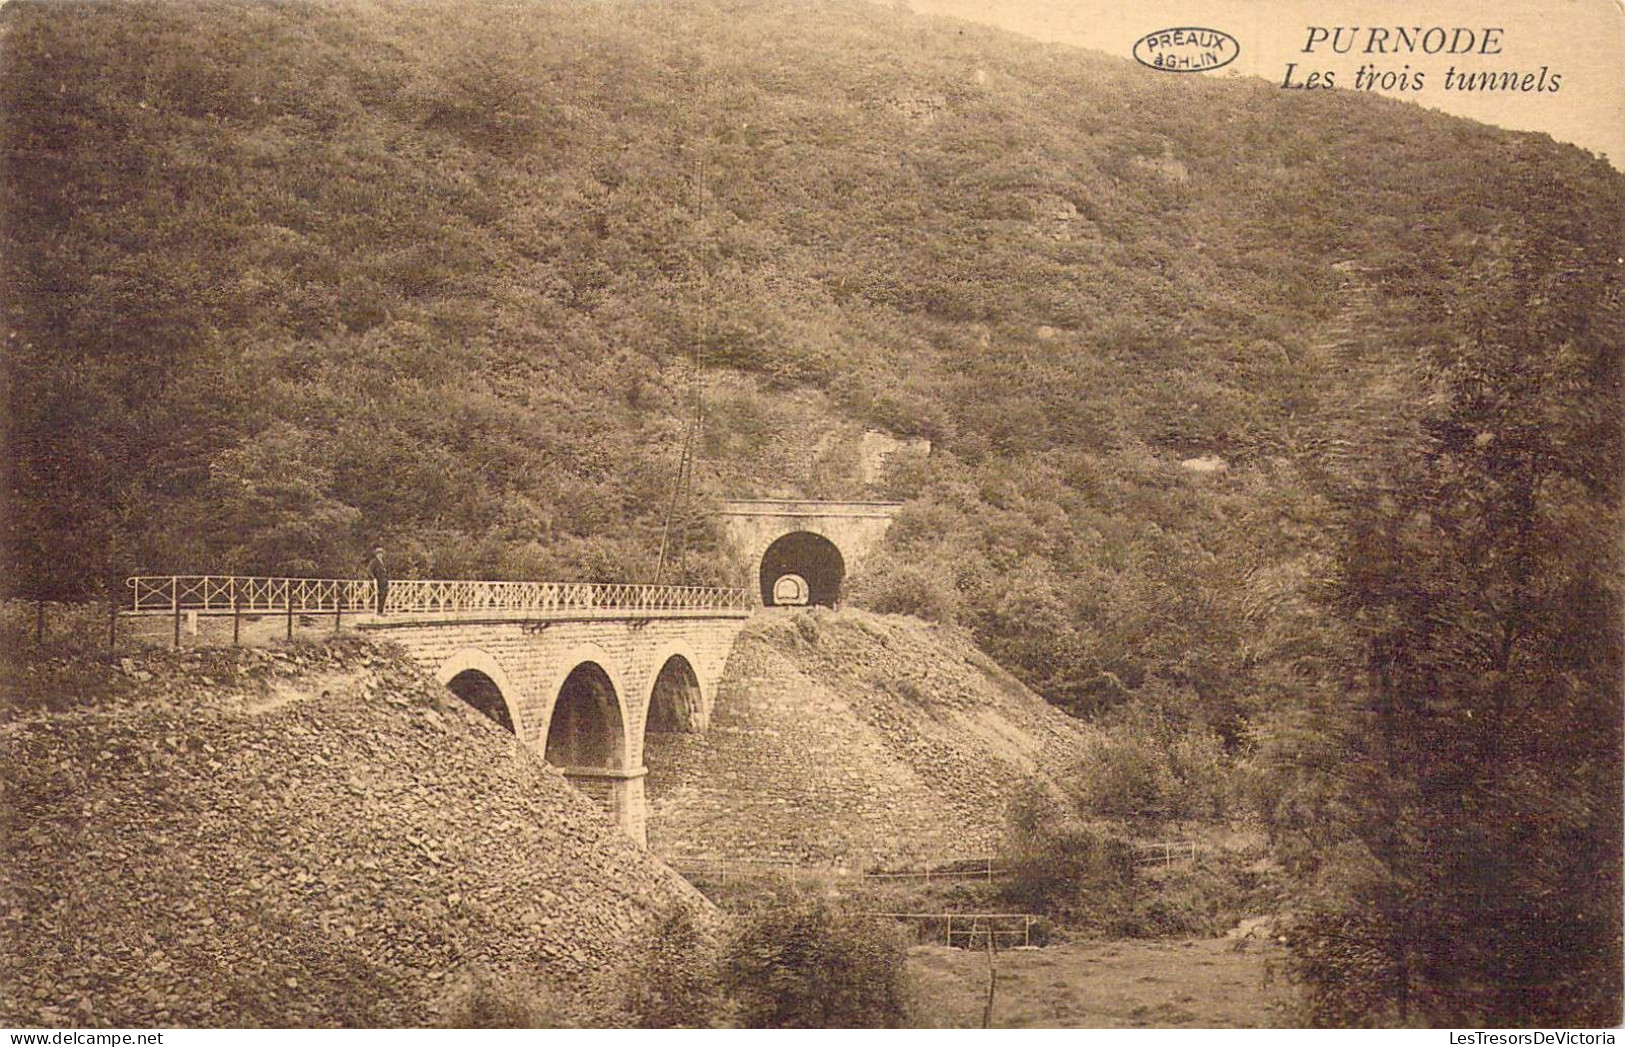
(226, 594)
(235, 594)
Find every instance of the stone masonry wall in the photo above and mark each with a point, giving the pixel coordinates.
(858, 739)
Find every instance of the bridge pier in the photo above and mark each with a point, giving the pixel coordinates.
(620, 792)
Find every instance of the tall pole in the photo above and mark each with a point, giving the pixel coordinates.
(671, 507)
(685, 461)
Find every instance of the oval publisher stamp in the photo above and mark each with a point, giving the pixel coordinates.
(1186, 50)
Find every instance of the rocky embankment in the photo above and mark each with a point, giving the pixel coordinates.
(311, 835)
(858, 738)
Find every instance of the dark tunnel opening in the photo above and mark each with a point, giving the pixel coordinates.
(811, 558)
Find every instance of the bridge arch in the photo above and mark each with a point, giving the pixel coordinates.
(678, 702)
(478, 678)
(589, 738)
(587, 718)
(813, 559)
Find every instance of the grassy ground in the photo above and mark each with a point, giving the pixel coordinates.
(1205, 983)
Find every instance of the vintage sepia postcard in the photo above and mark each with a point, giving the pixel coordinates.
(811, 514)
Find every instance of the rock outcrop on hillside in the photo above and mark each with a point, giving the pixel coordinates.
(312, 835)
(858, 738)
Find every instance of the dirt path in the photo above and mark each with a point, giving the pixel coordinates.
(1109, 985)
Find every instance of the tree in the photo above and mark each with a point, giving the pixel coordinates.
(1485, 587)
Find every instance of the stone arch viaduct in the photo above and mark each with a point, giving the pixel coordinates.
(583, 690)
(581, 673)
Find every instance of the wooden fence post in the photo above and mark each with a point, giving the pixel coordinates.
(338, 607)
(287, 593)
(175, 600)
(236, 614)
(992, 978)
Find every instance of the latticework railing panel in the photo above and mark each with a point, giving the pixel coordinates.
(224, 594)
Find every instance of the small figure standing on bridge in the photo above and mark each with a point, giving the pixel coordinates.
(380, 575)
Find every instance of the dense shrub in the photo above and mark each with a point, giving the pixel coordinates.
(673, 981)
(1200, 900)
(1081, 875)
(889, 587)
(797, 962)
(1086, 878)
(1152, 768)
(1346, 975)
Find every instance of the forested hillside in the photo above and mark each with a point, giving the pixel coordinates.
(286, 280)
